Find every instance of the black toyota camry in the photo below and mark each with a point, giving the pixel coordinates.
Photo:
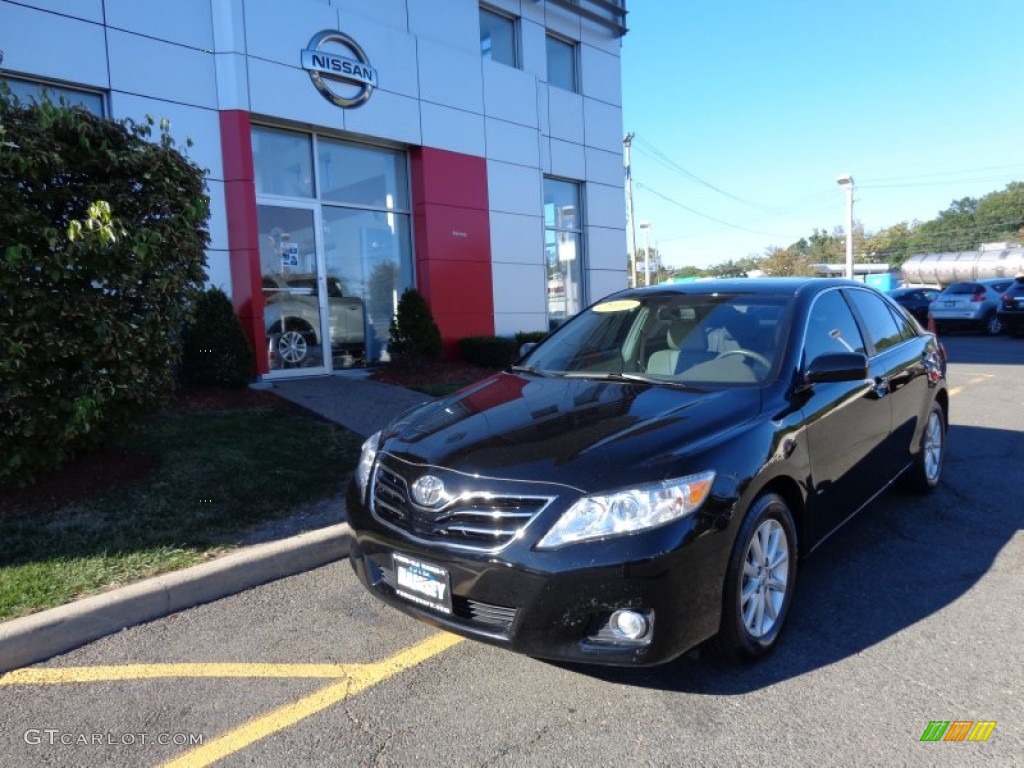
(649, 475)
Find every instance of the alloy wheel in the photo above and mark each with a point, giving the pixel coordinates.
(764, 587)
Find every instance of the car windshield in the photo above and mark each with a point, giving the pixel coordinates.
(671, 337)
(963, 288)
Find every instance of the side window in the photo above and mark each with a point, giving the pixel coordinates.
(880, 325)
(498, 38)
(831, 328)
(903, 322)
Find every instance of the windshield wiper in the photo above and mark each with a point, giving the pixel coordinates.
(529, 369)
(630, 377)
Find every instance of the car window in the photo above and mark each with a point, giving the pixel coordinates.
(958, 289)
(831, 328)
(879, 324)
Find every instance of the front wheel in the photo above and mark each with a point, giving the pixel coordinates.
(760, 580)
(993, 325)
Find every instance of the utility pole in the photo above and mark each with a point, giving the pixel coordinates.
(629, 206)
(846, 182)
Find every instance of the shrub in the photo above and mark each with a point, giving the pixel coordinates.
(214, 348)
(414, 337)
(528, 337)
(489, 351)
(102, 251)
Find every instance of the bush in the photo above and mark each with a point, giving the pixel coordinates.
(529, 337)
(102, 251)
(415, 337)
(215, 351)
(489, 351)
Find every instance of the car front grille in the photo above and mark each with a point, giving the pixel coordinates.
(474, 520)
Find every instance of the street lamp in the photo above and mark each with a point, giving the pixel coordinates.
(846, 181)
(646, 227)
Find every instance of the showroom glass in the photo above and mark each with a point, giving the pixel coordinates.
(498, 38)
(561, 63)
(563, 249)
(29, 91)
(283, 162)
(291, 299)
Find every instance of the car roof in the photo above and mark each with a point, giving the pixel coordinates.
(756, 285)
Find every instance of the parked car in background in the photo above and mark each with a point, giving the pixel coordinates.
(292, 318)
(649, 474)
(915, 301)
(1011, 307)
(973, 304)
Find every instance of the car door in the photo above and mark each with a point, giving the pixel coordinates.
(847, 423)
(898, 365)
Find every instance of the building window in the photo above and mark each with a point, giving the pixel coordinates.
(29, 91)
(562, 64)
(498, 38)
(563, 249)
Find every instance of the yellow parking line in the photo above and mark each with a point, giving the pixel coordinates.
(359, 677)
(979, 379)
(63, 675)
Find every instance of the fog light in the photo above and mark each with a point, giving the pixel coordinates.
(631, 625)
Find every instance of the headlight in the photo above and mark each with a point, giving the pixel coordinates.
(366, 459)
(629, 511)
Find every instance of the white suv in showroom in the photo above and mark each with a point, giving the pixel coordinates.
(292, 318)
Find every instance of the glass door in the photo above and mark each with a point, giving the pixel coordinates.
(293, 288)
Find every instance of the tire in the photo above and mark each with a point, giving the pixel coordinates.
(993, 325)
(926, 472)
(758, 593)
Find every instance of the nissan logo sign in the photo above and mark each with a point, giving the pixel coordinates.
(343, 80)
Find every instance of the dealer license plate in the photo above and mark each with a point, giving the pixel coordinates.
(422, 583)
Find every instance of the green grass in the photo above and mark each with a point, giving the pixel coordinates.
(219, 473)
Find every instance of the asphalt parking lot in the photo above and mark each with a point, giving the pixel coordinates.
(910, 614)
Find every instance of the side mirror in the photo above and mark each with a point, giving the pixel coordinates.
(840, 366)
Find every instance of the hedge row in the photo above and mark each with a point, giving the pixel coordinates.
(495, 351)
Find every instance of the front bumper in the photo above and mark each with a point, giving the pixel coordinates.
(556, 604)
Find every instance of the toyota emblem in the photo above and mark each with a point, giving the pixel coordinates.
(428, 491)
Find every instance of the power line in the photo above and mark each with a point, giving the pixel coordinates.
(694, 211)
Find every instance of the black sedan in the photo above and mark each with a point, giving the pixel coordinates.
(915, 301)
(649, 475)
(1011, 307)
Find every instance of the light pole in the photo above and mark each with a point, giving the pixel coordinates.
(628, 141)
(646, 227)
(846, 181)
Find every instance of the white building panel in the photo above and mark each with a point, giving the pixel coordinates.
(605, 206)
(601, 37)
(605, 167)
(456, 24)
(228, 17)
(513, 188)
(602, 282)
(284, 92)
(232, 81)
(512, 143)
(452, 129)
(604, 125)
(519, 288)
(606, 248)
(561, 21)
(166, 71)
(510, 94)
(511, 323)
(390, 13)
(271, 34)
(450, 76)
(601, 75)
(89, 10)
(517, 239)
(533, 49)
(186, 22)
(202, 126)
(391, 52)
(218, 223)
(386, 116)
(568, 160)
(42, 44)
(218, 270)
(565, 115)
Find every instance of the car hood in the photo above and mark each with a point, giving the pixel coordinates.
(585, 433)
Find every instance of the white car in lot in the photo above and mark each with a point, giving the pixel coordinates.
(970, 304)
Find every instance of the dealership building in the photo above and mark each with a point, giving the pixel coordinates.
(356, 148)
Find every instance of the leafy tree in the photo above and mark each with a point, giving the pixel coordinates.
(102, 252)
(787, 262)
(415, 337)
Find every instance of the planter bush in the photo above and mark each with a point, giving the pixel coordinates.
(215, 351)
(489, 351)
(414, 336)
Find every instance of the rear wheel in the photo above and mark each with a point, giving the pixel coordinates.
(993, 325)
(926, 471)
(760, 580)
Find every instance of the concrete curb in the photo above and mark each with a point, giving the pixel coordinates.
(41, 635)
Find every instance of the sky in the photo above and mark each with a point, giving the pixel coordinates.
(747, 111)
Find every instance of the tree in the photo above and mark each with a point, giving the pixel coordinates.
(415, 337)
(102, 252)
(787, 262)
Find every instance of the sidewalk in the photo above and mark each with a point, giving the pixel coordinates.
(351, 400)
